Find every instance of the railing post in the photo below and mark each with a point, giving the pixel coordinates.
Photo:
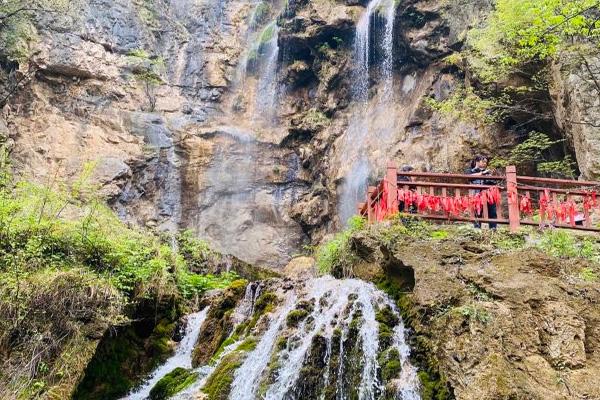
(370, 213)
(514, 217)
(391, 178)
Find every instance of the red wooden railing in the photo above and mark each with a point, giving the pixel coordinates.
(557, 202)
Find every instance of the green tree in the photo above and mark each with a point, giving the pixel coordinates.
(520, 32)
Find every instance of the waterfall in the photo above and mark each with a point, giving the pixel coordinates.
(181, 359)
(374, 31)
(344, 311)
(332, 298)
(267, 88)
(247, 377)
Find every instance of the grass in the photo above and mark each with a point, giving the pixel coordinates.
(336, 253)
(588, 274)
(473, 313)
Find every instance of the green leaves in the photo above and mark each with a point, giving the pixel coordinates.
(34, 236)
(533, 152)
(524, 31)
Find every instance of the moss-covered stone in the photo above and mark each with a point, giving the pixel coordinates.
(218, 384)
(172, 383)
(311, 380)
(126, 355)
(265, 302)
(390, 365)
(218, 325)
(295, 316)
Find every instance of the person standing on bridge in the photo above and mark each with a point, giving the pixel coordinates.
(479, 168)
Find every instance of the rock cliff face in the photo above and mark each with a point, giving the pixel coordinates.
(242, 120)
(577, 105)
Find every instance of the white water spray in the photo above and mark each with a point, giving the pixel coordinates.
(181, 359)
(356, 147)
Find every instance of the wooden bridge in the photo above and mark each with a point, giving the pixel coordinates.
(519, 200)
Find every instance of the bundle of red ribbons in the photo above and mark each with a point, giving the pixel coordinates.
(550, 208)
(450, 205)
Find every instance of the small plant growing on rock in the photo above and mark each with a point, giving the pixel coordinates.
(588, 274)
(474, 313)
(336, 255)
(295, 317)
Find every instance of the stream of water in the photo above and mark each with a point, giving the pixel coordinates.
(336, 304)
(374, 34)
(181, 359)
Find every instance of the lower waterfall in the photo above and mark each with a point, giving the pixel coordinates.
(346, 330)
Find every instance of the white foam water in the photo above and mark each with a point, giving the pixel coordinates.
(181, 359)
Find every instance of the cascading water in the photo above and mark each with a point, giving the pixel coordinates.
(267, 88)
(343, 314)
(181, 359)
(371, 126)
(242, 207)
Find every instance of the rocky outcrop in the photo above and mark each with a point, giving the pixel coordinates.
(576, 92)
(494, 323)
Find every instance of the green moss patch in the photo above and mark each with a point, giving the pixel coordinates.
(295, 316)
(218, 384)
(172, 383)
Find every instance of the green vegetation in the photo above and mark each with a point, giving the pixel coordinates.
(316, 118)
(147, 70)
(336, 254)
(522, 32)
(68, 265)
(391, 365)
(506, 69)
(17, 30)
(147, 13)
(560, 243)
(267, 34)
(295, 316)
(473, 313)
(466, 105)
(219, 383)
(532, 153)
(172, 383)
(588, 274)
(123, 359)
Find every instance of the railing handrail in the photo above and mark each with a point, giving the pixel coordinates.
(454, 176)
(384, 198)
(523, 178)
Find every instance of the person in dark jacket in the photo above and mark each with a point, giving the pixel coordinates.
(402, 180)
(479, 168)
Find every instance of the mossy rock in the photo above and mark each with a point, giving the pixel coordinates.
(218, 325)
(124, 357)
(218, 384)
(172, 383)
(391, 365)
(295, 316)
(386, 316)
(265, 302)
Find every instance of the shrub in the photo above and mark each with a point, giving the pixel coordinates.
(558, 243)
(336, 253)
(59, 275)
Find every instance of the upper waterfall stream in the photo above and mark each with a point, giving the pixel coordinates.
(372, 124)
